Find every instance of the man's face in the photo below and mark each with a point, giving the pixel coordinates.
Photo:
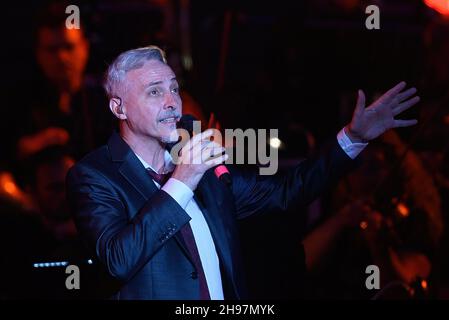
(151, 101)
(62, 54)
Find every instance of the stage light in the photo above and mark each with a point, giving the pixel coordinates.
(403, 210)
(424, 284)
(275, 143)
(50, 264)
(363, 225)
(441, 6)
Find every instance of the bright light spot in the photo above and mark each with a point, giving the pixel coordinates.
(363, 225)
(441, 6)
(9, 187)
(50, 264)
(89, 261)
(403, 210)
(424, 284)
(187, 62)
(275, 143)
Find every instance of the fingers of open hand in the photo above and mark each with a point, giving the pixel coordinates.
(404, 123)
(406, 94)
(388, 96)
(401, 107)
(360, 106)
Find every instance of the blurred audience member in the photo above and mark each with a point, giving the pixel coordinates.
(46, 171)
(61, 105)
(44, 234)
(397, 226)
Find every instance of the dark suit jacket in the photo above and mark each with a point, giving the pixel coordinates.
(132, 226)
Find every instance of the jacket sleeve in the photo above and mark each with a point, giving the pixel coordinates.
(255, 193)
(122, 245)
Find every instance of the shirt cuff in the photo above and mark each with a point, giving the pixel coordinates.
(352, 149)
(181, 193)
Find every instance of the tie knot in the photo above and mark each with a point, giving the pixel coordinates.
(160, 178)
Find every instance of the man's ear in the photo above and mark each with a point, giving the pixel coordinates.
(116, 107)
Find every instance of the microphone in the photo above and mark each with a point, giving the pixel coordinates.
(220, 171)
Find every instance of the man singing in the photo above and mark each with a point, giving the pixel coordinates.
(165, 231)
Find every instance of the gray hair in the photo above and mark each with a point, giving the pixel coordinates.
(127, 61)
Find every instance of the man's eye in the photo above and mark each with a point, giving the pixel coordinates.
(175, 90)
(154, 92)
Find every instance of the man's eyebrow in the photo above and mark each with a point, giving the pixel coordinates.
(159, 82)
(154, 83)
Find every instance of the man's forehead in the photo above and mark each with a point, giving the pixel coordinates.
(152, 71)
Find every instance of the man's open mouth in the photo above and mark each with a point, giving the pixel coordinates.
(173, 119)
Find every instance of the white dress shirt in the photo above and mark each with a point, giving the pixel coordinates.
(183, 195)
(352, 149)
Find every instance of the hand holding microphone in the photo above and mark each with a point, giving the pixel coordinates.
(197, 156)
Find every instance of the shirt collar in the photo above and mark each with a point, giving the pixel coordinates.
(168, 162)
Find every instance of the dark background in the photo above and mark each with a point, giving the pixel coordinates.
(291, 65)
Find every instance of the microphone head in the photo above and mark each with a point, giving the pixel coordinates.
(186, 123)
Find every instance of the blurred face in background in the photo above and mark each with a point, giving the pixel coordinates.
(62, 55)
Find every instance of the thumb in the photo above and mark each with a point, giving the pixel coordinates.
(360, 106)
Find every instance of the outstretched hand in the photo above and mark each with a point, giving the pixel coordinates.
(369, 123)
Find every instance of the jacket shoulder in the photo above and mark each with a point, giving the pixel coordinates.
(96, 161)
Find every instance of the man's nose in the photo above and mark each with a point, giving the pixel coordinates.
(170, 101)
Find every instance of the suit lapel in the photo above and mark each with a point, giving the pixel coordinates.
(134, 172)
